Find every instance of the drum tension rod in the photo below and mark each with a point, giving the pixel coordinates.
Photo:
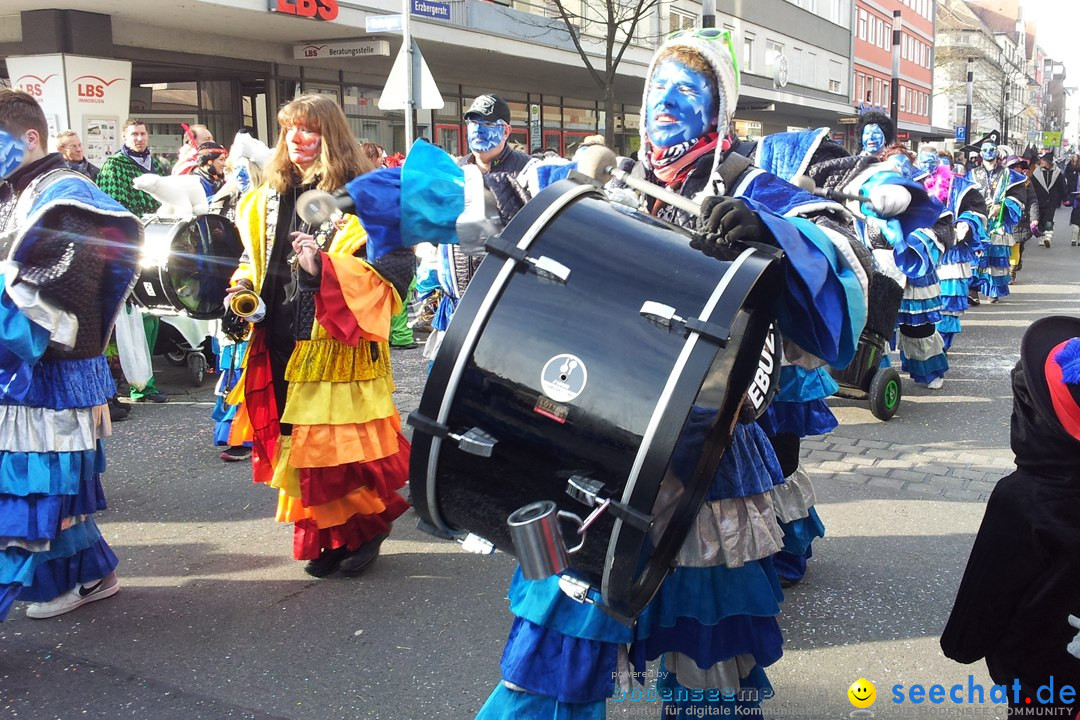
(664, 316)
(587, 490)
(545, 268)
(474, 441)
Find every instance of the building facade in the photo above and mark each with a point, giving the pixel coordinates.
(875, 22)
(232, 63)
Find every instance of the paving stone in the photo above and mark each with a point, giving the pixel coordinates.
(890, 483)
(909, 476)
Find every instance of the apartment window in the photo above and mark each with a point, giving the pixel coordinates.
(835, 71)
(859, 86)
(680, 20)
(796, 62)
(862, 24)
(773, 51)
(810, 70)
(748, 52)
(880, 32)
(888, 37)
(903, 98)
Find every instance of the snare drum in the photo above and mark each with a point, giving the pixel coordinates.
(592, 342)
(186, 266)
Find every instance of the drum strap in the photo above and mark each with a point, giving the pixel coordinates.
(732, 167)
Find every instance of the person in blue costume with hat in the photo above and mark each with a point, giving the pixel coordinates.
(70, 259)
(712, 624)
(799, 409)
(1001, 189)
(966, 209)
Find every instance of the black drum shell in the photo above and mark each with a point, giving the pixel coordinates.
(618, 260)
(191, 278)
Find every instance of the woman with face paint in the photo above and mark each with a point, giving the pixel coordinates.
(317, 387)
(712, 623)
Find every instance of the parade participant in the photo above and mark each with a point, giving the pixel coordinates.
(54, 381)
(1000, 188)
(1020, 586)
(70, 147)
(318, 385)
(116, 178)
(1048, 183)
(1028, 224)
(799, 408)
(488, 124)
(967, 210)
(922, 351)
(187, 157)
(875, 131)
(1074, 197)
(210, 167)
(713, 620)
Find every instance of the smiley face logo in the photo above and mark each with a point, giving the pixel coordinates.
(862, 693)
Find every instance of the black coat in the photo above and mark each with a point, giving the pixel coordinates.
(1050, 191)
(1023, 577)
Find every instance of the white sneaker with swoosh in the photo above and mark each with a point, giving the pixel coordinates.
(75, 598)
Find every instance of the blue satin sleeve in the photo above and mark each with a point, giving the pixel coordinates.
(22, 343)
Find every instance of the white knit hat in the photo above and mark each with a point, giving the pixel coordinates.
(717, 50)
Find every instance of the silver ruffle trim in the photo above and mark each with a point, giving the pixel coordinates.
(732, 532)
(921, 348)
(725, 674)
(42, 430)
(795, 497)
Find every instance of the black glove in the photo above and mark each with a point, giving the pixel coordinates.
(726, 221)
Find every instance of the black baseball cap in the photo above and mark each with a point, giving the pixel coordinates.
(489, 108)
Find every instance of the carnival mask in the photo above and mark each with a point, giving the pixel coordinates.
(680, 106)
(485, 136)
(304, 145)
(902, 164)
(929, 160)
(12, 151)
(873, 139)
(989, 152)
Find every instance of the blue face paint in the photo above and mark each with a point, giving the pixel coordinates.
(928, 160)
(680, 106)
(988, 151)
(873, 139)
(12, 151)
(903, 165)
(947, 162)
(484, 137)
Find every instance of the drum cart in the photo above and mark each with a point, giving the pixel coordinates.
(864, 377)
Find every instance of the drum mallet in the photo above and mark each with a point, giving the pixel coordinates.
(599, 163)
(805, 182)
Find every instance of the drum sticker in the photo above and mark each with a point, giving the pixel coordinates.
(564, 378)
(767, 377)
(149, 288)
(549, 408)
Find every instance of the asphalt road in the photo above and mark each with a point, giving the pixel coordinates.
(215, 620)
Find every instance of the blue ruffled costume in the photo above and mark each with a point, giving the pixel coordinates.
(713, 621)
(54, 414)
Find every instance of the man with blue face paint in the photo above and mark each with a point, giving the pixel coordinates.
(1001, 188)
(561, 656)
(875, 132)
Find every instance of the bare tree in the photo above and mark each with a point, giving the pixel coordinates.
(615, 24)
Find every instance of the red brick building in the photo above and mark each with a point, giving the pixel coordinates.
(873, 62)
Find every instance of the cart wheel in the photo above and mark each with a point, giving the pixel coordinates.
(197, 367)
(176, 356)
(884, 393)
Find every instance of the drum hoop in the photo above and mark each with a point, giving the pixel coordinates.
(173, 226)
(507, 270)
(661, 410)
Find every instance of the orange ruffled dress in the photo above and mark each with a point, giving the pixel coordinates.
(338, 472)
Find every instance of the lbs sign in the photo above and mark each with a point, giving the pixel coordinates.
(313, 9)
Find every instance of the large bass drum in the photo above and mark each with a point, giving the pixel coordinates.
(599, 363)
(186, 266)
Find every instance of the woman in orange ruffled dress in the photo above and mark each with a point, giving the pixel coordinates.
(317, 386)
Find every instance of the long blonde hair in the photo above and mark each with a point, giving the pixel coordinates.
(340, 156)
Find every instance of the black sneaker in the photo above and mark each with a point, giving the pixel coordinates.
(117, 410)
(327, 563)
(362, 559)
(236, 453)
